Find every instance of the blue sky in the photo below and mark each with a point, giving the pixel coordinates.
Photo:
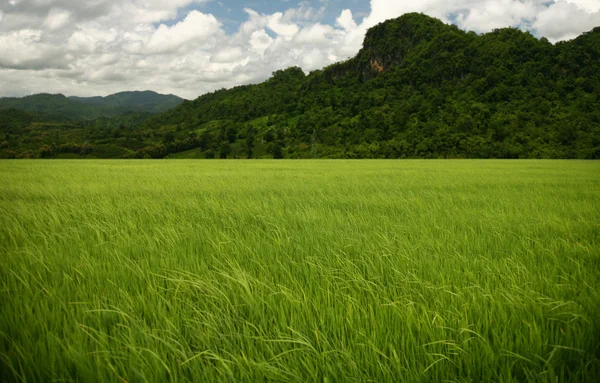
(231, 12)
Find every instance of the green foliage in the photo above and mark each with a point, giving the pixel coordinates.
(146, 101)
(316, 271)
(15, 119)
(57, 107)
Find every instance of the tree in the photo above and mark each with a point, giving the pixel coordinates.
(47, 151)
(205, 140)
(249, 146)
(169, 137)
(224, 150)
(269, 136)
(277, 151)
(231, 133)
(210, 154)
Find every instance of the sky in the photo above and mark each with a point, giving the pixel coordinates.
(191, 47)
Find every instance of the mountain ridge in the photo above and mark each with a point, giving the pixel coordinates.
(148, 100)
(62, 108)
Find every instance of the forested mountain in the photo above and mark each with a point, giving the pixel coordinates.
(57, 107)
(146, 101)
(417, 89)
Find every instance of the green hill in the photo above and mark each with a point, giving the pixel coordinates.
(420, 88)
(146, 101)
(59, 107)
(56, 107)
(417, 89)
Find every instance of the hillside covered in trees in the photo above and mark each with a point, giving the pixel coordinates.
(57, 107)
(417, 89)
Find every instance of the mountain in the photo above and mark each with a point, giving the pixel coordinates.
(421, 89)
(417, 89)
(57, 107)
(16, 118)
(147, 101)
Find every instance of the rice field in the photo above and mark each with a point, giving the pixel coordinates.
(299, 271)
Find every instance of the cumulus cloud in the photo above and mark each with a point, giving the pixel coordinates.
(563, 21)
(588, 5)
(317, 35)
(196, 27)
(97, 47)
(25, 49)
(57, 18)
(346, 20)
(227, 55)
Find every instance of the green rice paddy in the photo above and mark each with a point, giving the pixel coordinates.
(299, 271)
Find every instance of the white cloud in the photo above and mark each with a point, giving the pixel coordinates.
(315, 35)
(151, 11)
(260, 41)
(313, 59)
(276, 24)
(303, 14)
(97, 47)
(346, 20)
(587, 5)
(57, 18)
(563, 21)
(196, 27)
(227, 55)
(25, 49)
(89, 39)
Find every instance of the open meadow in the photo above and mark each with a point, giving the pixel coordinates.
(299, 271)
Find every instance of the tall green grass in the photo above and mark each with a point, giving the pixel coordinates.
(316, 271)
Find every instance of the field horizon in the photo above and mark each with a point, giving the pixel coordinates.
(304, 270)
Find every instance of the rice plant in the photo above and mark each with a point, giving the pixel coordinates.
(303, 271)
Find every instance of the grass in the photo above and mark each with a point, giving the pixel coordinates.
(299, 271)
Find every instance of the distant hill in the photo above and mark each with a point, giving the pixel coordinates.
(16, 118)
(146, 101)
(417, 89)
(61, 108)
(56, 107)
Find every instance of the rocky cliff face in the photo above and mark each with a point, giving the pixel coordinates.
(387, 44)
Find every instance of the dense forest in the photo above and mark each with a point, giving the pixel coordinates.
(417, 89)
